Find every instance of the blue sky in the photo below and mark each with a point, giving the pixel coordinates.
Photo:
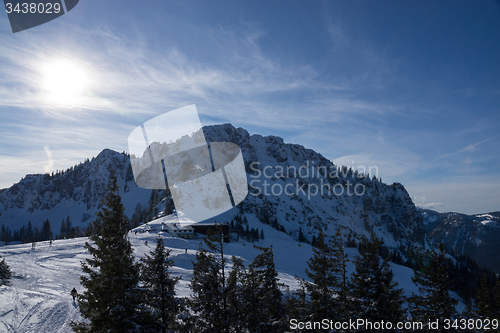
(409, 87)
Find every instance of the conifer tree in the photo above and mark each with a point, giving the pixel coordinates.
(496, 293)
(324, 280)
(484, 301)
(28, 237)
(209, 299)
(5, 273)
(297, 305)
(235, 296)
(160, 287)
(339, 267)
(434, 301)
(46, 232)
(302, 238)
(266, 310)
(207, 294)
(467, 314)
(374, 291)
(3, 235)
(112, 300)
(65, 230)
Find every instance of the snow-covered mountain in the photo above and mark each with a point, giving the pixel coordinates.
(298, 189)
(386, 209)
(39, 299)
(476, 236)
(76, 193)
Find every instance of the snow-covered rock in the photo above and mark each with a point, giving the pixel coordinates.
(299, 188)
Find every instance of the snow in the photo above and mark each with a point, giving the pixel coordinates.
(38, 299)
(487, 218)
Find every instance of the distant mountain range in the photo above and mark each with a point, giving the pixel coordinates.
(292, 188)
(477, 236)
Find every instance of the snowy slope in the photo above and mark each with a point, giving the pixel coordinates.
(39, 300)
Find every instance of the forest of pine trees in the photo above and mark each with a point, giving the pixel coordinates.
(123, 295)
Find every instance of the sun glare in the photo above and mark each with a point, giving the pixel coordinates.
(64, 81)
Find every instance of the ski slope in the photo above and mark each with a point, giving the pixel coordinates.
(38, 299)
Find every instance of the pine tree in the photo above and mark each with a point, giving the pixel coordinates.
(207, 294)
(209, 299)
(46, 232)
(496, 293)
(266, 310)
(339, 268)
(29, 233)
(297, 305)
(314, 241)
(324, 280)
(5, 273)
(302, 238)
(434, 301)
(36, 235)
(467, 314)
(374, 291)
(160, 287)
(235, 296)
(63, 230)
(112, 300)
(3, 234)
(69, 228)
(484, 301)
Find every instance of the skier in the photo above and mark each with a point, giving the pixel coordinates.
(74, 293)
(50, 243)
(33, 245)
(146, 243)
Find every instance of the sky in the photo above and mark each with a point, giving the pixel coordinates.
(410, 89)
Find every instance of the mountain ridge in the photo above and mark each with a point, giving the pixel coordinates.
(473, 235)
(385, 209)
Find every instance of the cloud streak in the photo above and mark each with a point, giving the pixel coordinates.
(469, 148)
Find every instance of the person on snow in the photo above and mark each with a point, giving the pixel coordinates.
(74, 293)
(33, 245)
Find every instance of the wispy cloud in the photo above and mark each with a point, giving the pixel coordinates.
(50, 162)
(460, 194)
(469, 148)
(421, 202)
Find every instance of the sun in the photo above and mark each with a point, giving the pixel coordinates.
(64, 81)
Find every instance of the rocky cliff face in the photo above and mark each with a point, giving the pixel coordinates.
(476, 236)
(290, 187)
(75, 192)
(301, 189)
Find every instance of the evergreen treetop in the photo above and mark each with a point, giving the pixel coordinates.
(160, 287)
(433, 301)
(375, 293)
(111, 301)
